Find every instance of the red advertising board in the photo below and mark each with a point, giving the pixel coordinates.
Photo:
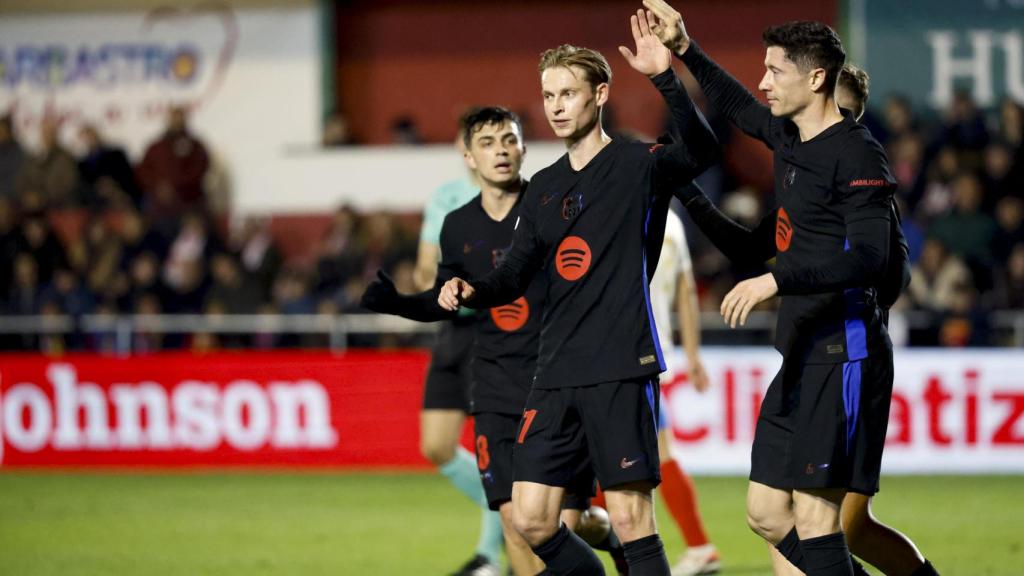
(244, 409)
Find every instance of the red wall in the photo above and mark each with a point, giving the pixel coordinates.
(430, 60)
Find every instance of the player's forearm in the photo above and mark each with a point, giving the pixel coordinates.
(739, 243)
(695, 147)
(689, 316)
(725, 93)
(503, 285)
(862, 265)
(421, 307)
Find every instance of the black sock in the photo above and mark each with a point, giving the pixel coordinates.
(613, 547)
(790, 549)
(566, 553)
(925, 569)
(827, 556)
(646, 557)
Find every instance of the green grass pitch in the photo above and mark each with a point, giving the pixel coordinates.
(405, 523)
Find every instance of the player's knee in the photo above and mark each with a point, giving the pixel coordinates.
(631, 523)
(767, 523)
(438, 453)
(534, 527)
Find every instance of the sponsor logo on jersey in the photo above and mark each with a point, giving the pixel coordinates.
(869, 182)
(512, 316)
(783, 230)
(572, 260)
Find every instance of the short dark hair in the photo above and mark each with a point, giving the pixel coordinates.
(474, 119)
(809, 45)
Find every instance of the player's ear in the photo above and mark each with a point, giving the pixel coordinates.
(601, 93)
(469, 160)
(816, 79)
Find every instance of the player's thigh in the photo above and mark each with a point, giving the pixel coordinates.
(550, 448)
(816, 511)
(536, 507)
(495, 435)
(769, 511)
(620, 422)
(440, 431)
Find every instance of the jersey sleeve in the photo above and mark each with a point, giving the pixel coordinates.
(730, 97)
(739, 243)
(693, 147)
(864, 187)
(513, 275)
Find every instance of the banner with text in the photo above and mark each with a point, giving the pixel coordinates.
(952, 411)
(928, 49)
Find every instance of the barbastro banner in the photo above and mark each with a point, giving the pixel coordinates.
(953, 411)
(928, 49)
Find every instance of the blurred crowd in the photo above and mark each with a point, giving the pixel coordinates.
(100, 234)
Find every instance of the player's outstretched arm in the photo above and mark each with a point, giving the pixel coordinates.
(724, 92)
(739, 243)
(382, 296)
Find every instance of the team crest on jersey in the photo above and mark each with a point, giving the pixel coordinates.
(790, 177)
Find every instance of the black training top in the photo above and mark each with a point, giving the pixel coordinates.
(585, 232)
(505, 350)
(829, 231)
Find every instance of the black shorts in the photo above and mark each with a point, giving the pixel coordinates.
(610, 426)
(495, 437)
(448, 379)
(824, 425)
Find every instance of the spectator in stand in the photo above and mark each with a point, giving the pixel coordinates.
(151, 339)
(1010, 222)
(9, 243)
(107, 177)
(259, 257)
(967, 231)
(53, 171)
(935, 278)
(24, 296)
(144, 279)
(188, 292)
(137, 237)
(67, 292)
(292, 296)
(404, 131)
(37, 239)
(103, 253)
(339, 258)
(964, 125)
(1011, 127)
(935, 196)
(232, 290)
(1009, 285)
(12, 159)
(966, 324)
(193, 245)
(172, 170)
(1002, 177)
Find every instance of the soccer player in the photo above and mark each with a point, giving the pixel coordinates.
(473, 240)
(446, 390)
(583, 228)
(673, 288)
(822, 425)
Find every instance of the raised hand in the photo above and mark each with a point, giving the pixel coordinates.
(380, 295)
(453, 293)
(651, 57)
(667, 25)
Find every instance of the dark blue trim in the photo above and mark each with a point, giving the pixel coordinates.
(851, 399)
(856, 332)
(647, 292)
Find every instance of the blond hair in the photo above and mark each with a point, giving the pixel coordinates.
(593, 64)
